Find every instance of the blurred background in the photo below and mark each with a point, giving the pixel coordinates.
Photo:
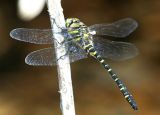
(27, 90)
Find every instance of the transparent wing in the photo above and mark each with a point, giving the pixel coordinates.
(47, 57)
(36, 36)
(121, 28)
(115, 50)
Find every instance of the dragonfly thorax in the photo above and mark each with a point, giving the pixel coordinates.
(74, 23)
(78, 31)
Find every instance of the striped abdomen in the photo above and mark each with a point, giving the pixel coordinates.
(120, 84)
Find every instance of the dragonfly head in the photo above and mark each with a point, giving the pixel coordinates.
(69, 21)
(74, 23)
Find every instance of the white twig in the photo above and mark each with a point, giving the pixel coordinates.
(64, 74)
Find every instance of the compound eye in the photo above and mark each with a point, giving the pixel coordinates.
(76, 20)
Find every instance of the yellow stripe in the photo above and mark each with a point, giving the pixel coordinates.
(74, 32)
(102, 61)
(87, 46)
(90, 48)
(86, 35)
(67, 24)
(114, 74)
(122, 88)
(120, 85)
(98, 56)
(109, 70)
(94, 53)
(75, 25)
(116, 80)
(126, 96)
(77, 39)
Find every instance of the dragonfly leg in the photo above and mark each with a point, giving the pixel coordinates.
(66, 42)
(63, 56)
(60, 43)
(56, 24)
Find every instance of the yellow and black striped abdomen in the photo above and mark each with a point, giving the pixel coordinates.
(120, 84)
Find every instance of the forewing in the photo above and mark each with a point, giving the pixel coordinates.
(115, 50)
(121, 28)
(36, 36)
(47, 57)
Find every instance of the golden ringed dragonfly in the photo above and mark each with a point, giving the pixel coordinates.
(84, 41)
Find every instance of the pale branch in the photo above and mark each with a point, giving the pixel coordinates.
(64, 73)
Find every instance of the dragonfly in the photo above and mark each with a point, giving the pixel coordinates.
(84, 41)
